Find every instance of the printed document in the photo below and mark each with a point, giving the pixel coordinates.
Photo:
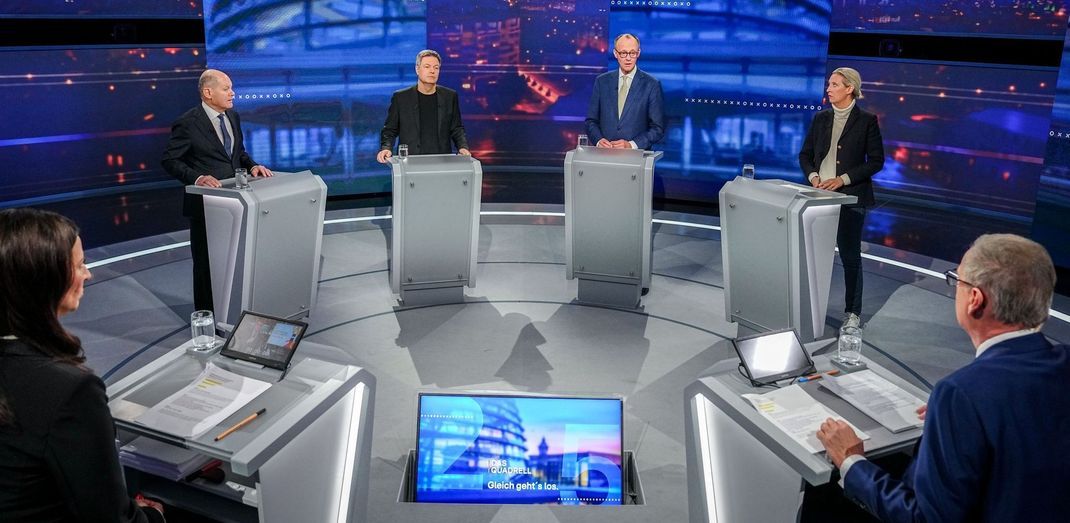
(203, 404)
(796, 413)
(878, 398)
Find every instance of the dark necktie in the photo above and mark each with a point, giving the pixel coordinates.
(227, 143)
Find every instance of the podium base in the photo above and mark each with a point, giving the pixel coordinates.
(431, 296)
(625, 295)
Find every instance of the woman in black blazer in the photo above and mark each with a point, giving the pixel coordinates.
(842, 152)
(57, 439)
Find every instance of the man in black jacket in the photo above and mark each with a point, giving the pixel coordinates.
(426, 116)
(206, 146)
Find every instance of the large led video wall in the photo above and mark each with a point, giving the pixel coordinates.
(313, 80)
(1005, 18)
(1051, 222)
(742, 81)
(964, 146)
(102, 8)
(85, 119)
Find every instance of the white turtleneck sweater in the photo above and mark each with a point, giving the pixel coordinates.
(827, 170)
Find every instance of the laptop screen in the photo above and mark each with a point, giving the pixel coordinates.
(266, 340)
(478, 448)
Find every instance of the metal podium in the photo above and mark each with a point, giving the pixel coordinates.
(608, 195)
(435, 227)
(264, 244)
(777, 243)
(308, 458)
(742, 467)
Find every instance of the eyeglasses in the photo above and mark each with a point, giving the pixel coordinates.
(626, 54)
(953, 279)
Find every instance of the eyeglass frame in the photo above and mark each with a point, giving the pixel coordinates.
(953, 280)
(626, 54)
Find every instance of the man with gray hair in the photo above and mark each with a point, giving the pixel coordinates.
(996, 442)
(206, 146)
(626, 110)
(426, 116)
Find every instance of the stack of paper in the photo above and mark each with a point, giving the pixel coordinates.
(161, 459)
(880, 399)
(796, 413)
(212, 397)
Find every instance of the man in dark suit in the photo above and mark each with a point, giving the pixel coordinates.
(206, 146)
(626, 108)
(995, 445)
(426, 116)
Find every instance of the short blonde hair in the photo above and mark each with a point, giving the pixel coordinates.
(853, 79)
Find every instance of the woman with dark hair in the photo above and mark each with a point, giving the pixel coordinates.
(57, 438)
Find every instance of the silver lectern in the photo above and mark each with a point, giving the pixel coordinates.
(777, 242)
(308, 458)
(264, 244)
(608, 196)
(435, 227)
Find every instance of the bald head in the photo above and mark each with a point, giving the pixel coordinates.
(216, 90)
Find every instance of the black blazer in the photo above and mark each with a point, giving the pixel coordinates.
(194, 150)
(403, 119)
(58, 462)
(860, 152)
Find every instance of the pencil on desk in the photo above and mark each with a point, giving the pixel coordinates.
(240, 424)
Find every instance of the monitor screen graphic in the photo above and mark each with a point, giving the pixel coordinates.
(519, 450)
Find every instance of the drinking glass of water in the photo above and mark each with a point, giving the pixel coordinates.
(849, 348)
(202, 325)
(403, 151)
(581, 141)
(241, 177)
(748, 171)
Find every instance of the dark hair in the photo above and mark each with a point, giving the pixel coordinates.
(35, 274)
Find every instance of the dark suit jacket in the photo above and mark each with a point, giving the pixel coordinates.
(643, 119)
(403, 120)
(860, 152)
(996, 444)
(58, 462)
(194, 150)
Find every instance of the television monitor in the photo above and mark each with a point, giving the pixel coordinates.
(265, 340)
(773, 356)
(519, 449)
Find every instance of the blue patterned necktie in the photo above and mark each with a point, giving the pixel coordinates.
(227, 143)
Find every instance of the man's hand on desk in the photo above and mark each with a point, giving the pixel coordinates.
(260, 170)
(208, 181)
(921, 412)
(839, 440)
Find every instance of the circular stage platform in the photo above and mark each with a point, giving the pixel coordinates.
(521, 330)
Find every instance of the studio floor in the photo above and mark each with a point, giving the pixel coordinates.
(520, 329)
